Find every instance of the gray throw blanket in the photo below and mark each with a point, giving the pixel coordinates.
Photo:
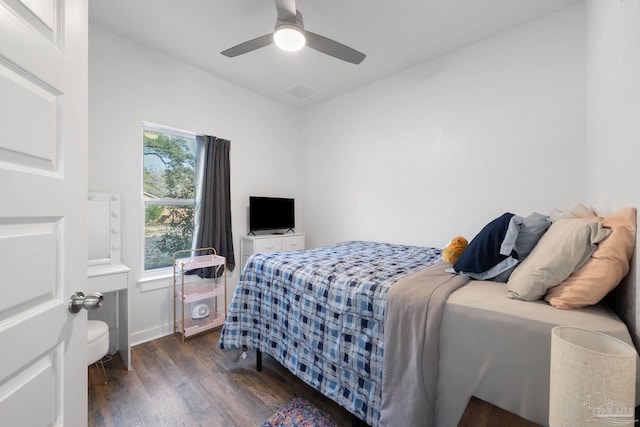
(411, 334)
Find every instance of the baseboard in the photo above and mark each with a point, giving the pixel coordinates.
(151, 334)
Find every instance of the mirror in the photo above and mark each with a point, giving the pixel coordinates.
(103, 228)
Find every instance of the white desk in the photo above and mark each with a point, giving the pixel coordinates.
(112, 280)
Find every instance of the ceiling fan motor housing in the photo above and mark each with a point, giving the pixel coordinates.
(289, 35)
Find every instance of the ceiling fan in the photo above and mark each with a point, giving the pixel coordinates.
(289, 34)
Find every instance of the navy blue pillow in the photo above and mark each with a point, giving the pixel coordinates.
(483, 251)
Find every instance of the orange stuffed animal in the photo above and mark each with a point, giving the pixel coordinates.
(454, 249)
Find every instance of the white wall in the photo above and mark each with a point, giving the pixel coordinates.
(613, 103)
(129, 84)
(418, 157)
(613, 114)
(441, 149)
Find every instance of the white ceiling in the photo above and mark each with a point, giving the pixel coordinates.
(394, 34)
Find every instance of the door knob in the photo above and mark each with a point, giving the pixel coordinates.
(79, 300)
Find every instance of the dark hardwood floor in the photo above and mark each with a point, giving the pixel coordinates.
(194, 384)
(482, 414)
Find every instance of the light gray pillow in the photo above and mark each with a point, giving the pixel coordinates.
(531, 230)
(566, 245)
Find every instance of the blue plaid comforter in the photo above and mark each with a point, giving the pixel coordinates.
(320, 313)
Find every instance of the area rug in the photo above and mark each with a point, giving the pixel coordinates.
(299, 413)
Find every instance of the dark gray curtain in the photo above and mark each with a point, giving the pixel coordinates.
(212, 218)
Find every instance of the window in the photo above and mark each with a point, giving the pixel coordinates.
(169, 173)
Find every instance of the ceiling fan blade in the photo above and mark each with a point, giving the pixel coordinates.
(249, 46)
(286, 10)
(333, 48)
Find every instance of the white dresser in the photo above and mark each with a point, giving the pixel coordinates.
(250, 245)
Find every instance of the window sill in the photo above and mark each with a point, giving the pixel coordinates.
(153, 280)
(161, 279)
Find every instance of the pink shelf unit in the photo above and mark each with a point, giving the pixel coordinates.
(205, 292)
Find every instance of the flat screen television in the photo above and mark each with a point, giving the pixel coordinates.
(271, 213)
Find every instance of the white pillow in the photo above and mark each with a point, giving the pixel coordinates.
(566, 245)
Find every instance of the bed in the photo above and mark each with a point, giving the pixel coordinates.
(386, 332)
(510, 366)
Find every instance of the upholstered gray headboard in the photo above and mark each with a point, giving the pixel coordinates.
(624, 300)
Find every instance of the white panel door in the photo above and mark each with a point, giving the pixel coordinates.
(43, 187)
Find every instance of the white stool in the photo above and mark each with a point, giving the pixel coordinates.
(98, 343)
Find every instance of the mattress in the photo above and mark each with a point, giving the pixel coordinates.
(498, 349)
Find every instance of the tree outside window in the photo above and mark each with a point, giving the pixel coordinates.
(169, 169)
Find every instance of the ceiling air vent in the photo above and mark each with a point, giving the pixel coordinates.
(301, 91)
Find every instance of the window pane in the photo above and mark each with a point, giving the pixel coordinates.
(167, 228)
(169, 189)
(169, 166)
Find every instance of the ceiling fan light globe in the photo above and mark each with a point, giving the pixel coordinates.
(289, 38)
